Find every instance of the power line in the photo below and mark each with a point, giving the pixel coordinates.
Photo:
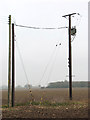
(39, 27)
(73, 38)
(54, 54)
(28, 84)
(52, 66)
(47, 64)
(22, 63)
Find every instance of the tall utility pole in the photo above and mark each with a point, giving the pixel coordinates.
(9, 62)
(13, 67)
(70, 56)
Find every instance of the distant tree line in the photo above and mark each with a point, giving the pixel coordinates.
(27, 86)
(4, 87)
(65, 84)
(62, 84)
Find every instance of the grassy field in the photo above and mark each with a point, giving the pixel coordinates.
(50, 101)
(52, 95)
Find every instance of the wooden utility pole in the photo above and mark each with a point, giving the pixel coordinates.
(70, 56)
(9, 63)
(13, 67)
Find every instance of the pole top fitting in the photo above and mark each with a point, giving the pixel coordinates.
(69, 14)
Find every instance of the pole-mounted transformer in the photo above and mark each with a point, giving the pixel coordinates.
(73, 31)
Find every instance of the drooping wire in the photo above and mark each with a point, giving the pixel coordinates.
(73, 38)
(32, 97)
(52, 66)
(46, 67)
(22, 62)
(53, 63)
(52, 55)
(39, 27)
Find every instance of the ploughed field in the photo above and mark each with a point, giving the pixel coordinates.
(47, 103)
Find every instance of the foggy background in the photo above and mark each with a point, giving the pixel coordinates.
(37, 46)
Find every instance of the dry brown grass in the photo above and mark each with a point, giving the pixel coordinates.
(52, 95)
(64, 108)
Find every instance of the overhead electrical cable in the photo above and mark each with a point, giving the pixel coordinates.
(73, 38)
(22, 63)
(46, 67)
(32, 97)
(52, 66)
(39, 27)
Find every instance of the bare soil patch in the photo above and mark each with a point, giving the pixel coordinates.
(78, 107)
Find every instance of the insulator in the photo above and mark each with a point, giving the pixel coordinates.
(9, 19)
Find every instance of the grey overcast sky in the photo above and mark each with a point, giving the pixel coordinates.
(37, 46)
